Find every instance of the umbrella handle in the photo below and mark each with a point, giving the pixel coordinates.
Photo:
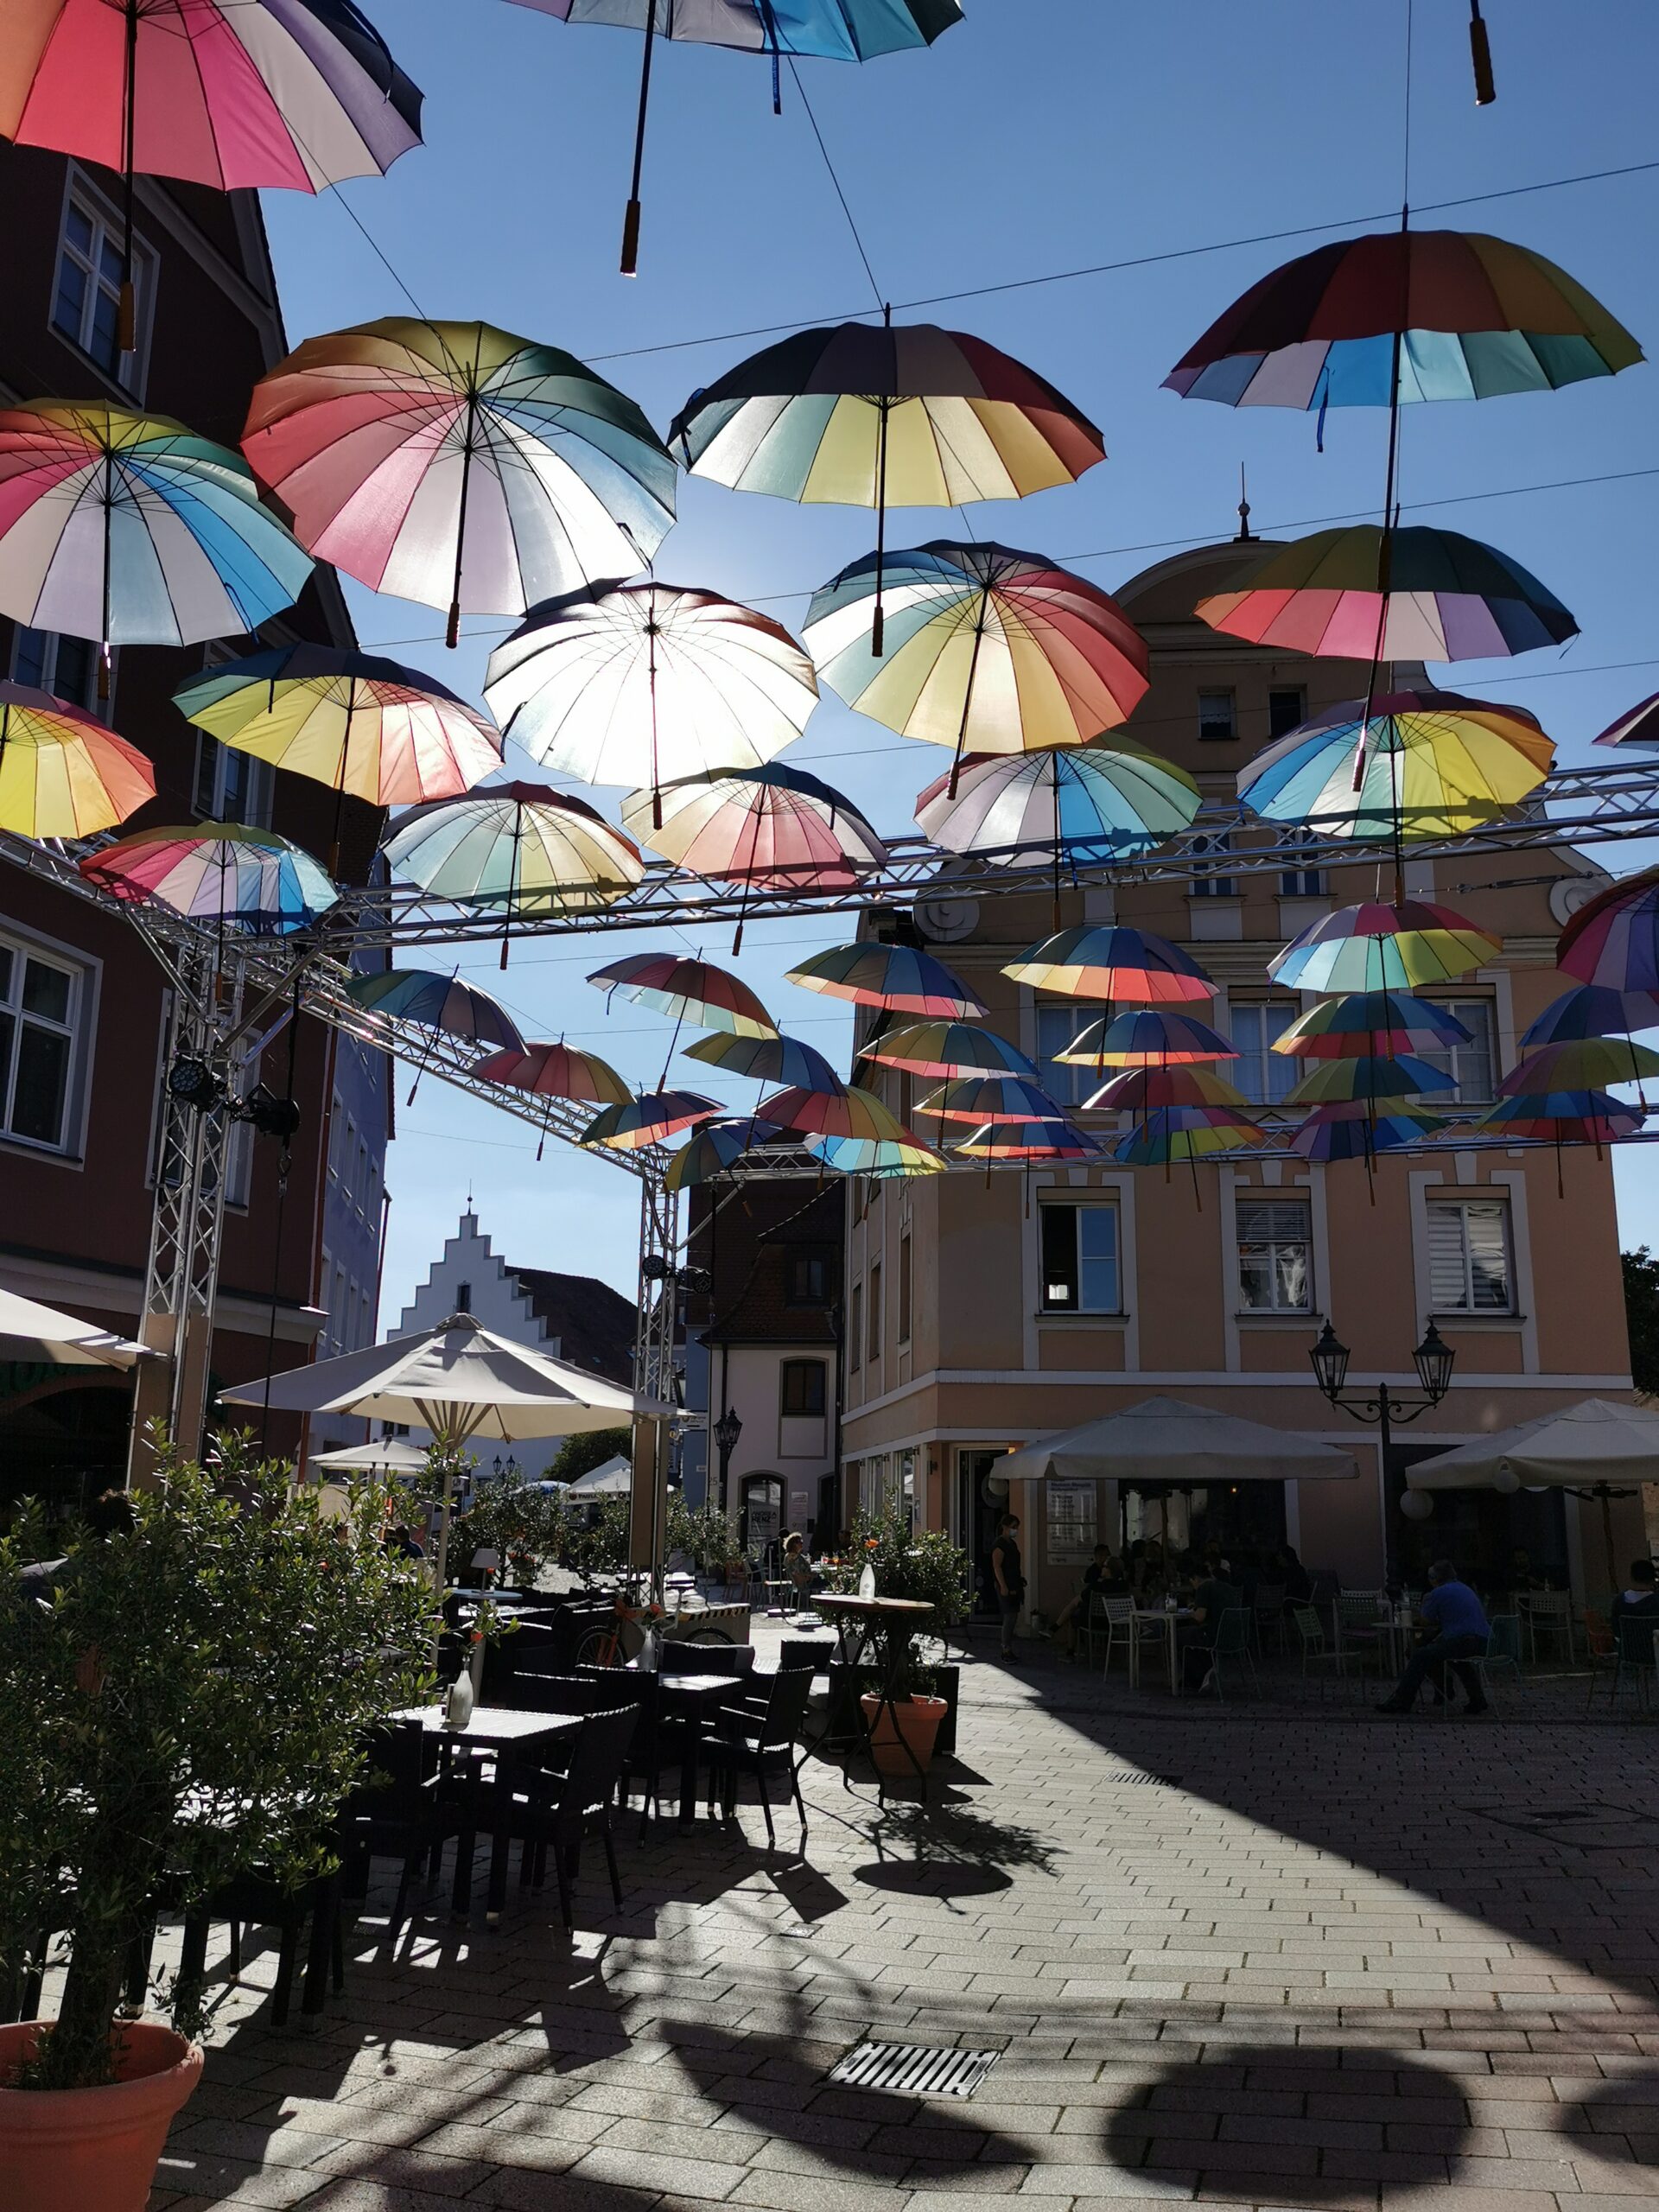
(1480, 54)
(631, 219)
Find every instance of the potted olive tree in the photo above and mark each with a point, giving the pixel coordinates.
(525, 1525)
(921, 1564)
(187, 1693)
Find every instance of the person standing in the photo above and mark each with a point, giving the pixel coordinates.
(1458, 1618)
(1007, 1577)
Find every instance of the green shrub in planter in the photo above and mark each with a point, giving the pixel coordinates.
(919, 1563)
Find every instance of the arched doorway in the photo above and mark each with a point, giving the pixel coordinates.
(63, 1435)
(760, 1526)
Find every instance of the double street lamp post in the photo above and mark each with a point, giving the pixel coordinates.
(1386, 1408)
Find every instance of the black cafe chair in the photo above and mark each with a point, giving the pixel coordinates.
(762, 1744)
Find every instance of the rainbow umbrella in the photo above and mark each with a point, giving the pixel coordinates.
(898, 977)
(1358, 1128)
(557, 1071)
(636, 1122)
(260, 92)
(1369, 1023)
(1189, 1132)
(1613, 939)
(714, 1149)
(1401, 315)
(456, 464)
(1638, 725)
(979, 1099)
(1139, 1090)
(687, 990)
(1433, 596)
(863, 415)
(1579, 1063)
(1055, 1138)
(437, 1002)
(1591, 1010)
(131, 530)
(1367, 1075)
(769, 1059)
(62, 774)
(1420, 764)
(834, 30)
(882, 1158)
(1561, 1117)
(1147, 1037)
(850, 1112)
(1372, 947)
(1105, 961)
(986, 650)
(216, 872)
(643, 683)
(948, 1048)
(1089, 806)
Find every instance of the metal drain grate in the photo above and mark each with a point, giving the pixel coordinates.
(914, 2069)
(1129, 1778)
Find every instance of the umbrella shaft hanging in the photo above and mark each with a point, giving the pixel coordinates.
(631, 219)
(884, 404)
(126, 330)
(967, 691)
(452, 635)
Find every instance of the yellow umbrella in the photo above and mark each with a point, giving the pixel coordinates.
(62, 774)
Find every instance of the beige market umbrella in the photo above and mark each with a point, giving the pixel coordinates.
(31, 1332)
(390, 1456)
(614, 1479)
(1171, 1441)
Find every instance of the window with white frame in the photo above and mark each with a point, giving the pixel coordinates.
(1301, 883)
(1058, 1026)
(1471, 1256)
(1212, 887)
(1473, 1065)
(1080, 1267)
(1287, 709)
(66, 667)
(1261, 1074)
(1275, 1255)
(40, 1013)
(855, 1327)
(232, 786)
(1217, 717)
(87, 286)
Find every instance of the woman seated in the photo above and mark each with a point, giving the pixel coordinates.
(1102, 1578)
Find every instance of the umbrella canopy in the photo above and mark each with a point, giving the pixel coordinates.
(614, 1478)
(1047, 1139)
(1098, 803)
(777, 829)
(1368, 1023)
(1104, 960)
(896, 976)
(713, 1148)
(557, 1071)
(1597, 1440)
(1372, 947)
(62, 774)
(31, 1332)
(130, 529)
(885, 1159)
(1136, 1089)
(456, 464)
(986, 650)
(437, 1002)
(1448, 597)
(1169, 1134)
(1638, 725)
(687, 990)
(1613, 940)
(769, 1059)
(1171, 1441)
(646, 1120)
(948, 1048)
(1579, 1063)
(850, 1112)
(1560, 1117)
(1430, 764)
(366, 727)
(1593, 1010)
(643, 683)
(979, 1099)
(1147, 1037)
(216, 872)
(516, 849)
(390, 1456)
(1359, 1128)
(1366, 1076)
(1476, 317)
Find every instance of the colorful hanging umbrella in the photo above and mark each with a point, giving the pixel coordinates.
(1579, 1063)
(948, 1048)
(850, 1112)
(1057, 1138)
(515, 849)
(977, 1099)
(1434, 764)
(1372, 947)
(215, 872)
(1138, 1090)
(1369, 1023)
(687, 990)
(1358, 1128)
(1367, 1075)
(366, 727)
(643, 683)
(896, 976)
(62, 774)
(133, 531)
(1613, 939)
(1591, 1010)
(437, 1002)
(1104, 960)
(769, 1059)
(1091, 806)
(1475, 316)
(883, 1158)
(1191, 1133)
(557, 1071)
(1448, 597)
(836, 30)
(647, 1120)
(1147, 1037)
(986, 650)
(1561, 1118)
(866, 415)
(1638, 725)
(714, 1149)
(455, 464)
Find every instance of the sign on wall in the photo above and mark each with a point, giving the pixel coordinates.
(1071, 1525)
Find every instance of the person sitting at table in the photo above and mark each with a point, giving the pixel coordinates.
(1289, 1569)
(1104, 1578)
(1211, 1598)
(1459, 1633)
(797, 1570)
(1522, 1574)
(1634, 1613)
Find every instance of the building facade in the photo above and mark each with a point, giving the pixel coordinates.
(980, 1316)
(83, 1005)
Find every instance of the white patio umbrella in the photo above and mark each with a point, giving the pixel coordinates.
(614, 1479)
(390, 1456)
(1171, 1441)
(32, 1332)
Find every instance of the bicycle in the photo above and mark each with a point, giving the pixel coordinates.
(622, 1641)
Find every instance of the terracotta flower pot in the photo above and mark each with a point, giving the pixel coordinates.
(75, 2150)
(909, 1747)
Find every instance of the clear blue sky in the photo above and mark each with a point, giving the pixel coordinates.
(1039, 135)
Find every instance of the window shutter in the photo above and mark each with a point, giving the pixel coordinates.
(1486, 1226)
(1448, 1277)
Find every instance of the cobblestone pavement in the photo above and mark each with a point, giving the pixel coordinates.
(1244, 1955)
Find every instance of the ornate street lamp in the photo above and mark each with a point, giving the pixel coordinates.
(727, 1429)
(1433, 1360)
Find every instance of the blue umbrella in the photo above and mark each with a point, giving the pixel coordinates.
(439, 1001)
(1591, 1010)
(769, 1059)
(717, 1146)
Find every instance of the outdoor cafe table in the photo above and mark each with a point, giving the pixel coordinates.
(694, 1699)
(1169, 1618)
(512, 1736)
(897, 1619)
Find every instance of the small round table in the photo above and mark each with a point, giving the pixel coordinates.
(895, 1620)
